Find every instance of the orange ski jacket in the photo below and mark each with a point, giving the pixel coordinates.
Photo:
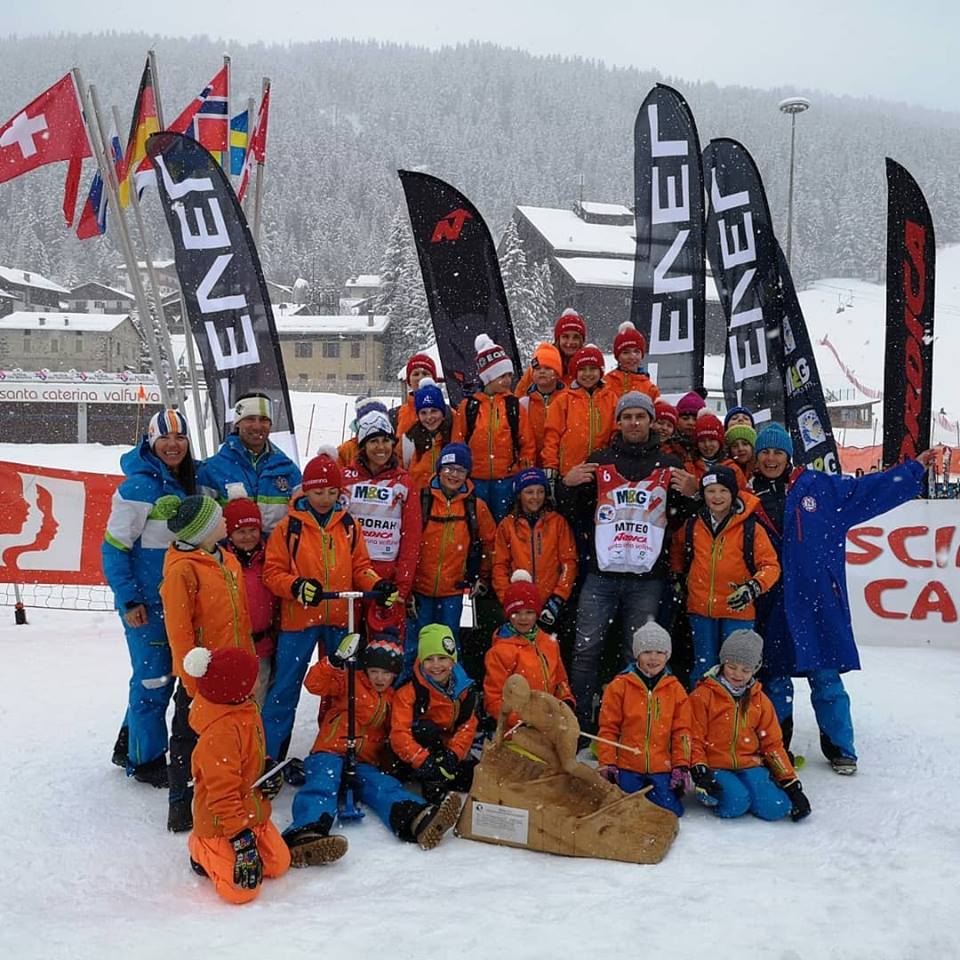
(537, 404)
(491, 442)
(547, 551)
(578, 423)
(620, 382)
(657, 722)
(732, 735)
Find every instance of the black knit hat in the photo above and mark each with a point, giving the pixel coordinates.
(383, 650)
(722, 475)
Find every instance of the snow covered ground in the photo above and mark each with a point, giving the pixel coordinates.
(91, 872)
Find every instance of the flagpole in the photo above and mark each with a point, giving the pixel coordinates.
(184, 321)
(251, 119)
(96, 137)
(258, 190)
(225, 158)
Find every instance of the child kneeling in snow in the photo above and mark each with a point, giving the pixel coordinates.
(521, 647)
(434, 717)
(233, 841)
(645, 710)
(315, 804)
(737, 743)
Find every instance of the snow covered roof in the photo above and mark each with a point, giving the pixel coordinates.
(364, 280)
(8, 295)
(115, 291)
(29, 278)
(611, 272)
(606, 209)
(288, 308)
(90, 322)
(566, 233)
(318, 325)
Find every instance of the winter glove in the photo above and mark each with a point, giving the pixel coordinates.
(799, 804)
(387, 593)
(708, 791)
(744, 594)
(479, 589)
(679, 781)
(307, 591)
(448, 763)
(550, 612)
(552, 475)
(274, 783)
(610, 772)
(346, 649)
(247, 865)
(412, 607)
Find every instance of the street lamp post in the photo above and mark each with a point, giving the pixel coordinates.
(792, 106)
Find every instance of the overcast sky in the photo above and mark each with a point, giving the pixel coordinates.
(890, 49)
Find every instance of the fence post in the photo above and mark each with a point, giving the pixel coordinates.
(19, 610)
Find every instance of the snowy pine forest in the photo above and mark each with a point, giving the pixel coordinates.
(502, 125)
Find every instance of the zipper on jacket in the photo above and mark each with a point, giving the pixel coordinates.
(444, 527)
(646, 736)
(736, 730)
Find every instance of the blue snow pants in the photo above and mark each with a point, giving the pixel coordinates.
(831, 705)
(630, 782)
(151, 687)
(445, 610)
(319, 794)
(497, 495)
(294, 652)
(708, 636)
(750, 791)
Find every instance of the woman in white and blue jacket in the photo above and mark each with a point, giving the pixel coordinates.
(135, 542)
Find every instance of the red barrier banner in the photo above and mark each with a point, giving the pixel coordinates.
(903, 574)
(52, 523)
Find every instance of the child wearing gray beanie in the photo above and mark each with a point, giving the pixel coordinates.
(645, 724)
(740, 764)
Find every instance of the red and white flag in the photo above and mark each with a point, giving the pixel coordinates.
(257, 149)
(47, 130)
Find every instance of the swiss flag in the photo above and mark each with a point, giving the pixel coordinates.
(46, 130)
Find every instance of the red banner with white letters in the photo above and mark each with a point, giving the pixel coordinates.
(52, 523)
(903, 574)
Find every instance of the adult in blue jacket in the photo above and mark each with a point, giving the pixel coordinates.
(805, 619)
(249, 465)
(134, 545)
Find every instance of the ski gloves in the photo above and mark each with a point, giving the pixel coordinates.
(799, 804)
(247, 865)
(744, 594)
(274, 783)
(387, 593)
(346, 650)
(708, 791)
(679, 781)
(443, 764)
(550, 612)
(308, 592)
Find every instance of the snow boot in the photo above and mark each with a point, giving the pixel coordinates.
(121, 747)
(312, 845)
(153, 772)
(425, 824)
(198, 869)
(845, 766)
(180, 817)
(294, 773)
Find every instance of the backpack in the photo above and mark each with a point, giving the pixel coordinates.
(295, 531)
(475, 550)
(749, 530)
(512, 405)
(421, 702)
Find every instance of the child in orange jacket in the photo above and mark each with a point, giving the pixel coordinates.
(496, 428)
(434, 718)
(204, 604)
(728, 561)
(315, 803)
(737, 744)
(546, 385)
(420, 446)
(519, 646)
(629, 349)
(709, 436)
(419, 367)
(455, 550)
(741, 442)
(645, 711)
(569, 335)
(581, 419)
(233, 841)
(317, 548)
(534, 537)
(665, 428)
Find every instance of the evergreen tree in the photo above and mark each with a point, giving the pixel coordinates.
(518, 282)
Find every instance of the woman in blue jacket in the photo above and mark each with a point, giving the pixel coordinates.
(805, 619)
(134, 545)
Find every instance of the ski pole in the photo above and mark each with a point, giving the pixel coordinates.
(276, 768)
(610, 743)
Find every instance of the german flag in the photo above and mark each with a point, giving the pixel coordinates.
(144, 122)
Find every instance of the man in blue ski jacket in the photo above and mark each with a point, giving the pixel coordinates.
(805, 619)
(249, 465)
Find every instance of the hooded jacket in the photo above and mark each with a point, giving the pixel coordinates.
(204, 604)
(228, 758)
(578, 422)
(264, 606)
(491, 442)
(620, 382)
(137, 535)
(545, 549)
(537, 405)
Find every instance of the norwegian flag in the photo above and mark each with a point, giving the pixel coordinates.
(206, 119)
(48, 129)
(93, 215)
(257, 148)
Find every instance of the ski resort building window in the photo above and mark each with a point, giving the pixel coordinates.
(303, 349)
(355, 350)
(26, 341)
(54, 344)
(78, 343)
(331, 350)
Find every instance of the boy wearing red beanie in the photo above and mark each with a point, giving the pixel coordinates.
(233, 841)
(629, 349)
(569, 335)
(246, 542)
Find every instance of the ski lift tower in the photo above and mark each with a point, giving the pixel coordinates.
(792, 106)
